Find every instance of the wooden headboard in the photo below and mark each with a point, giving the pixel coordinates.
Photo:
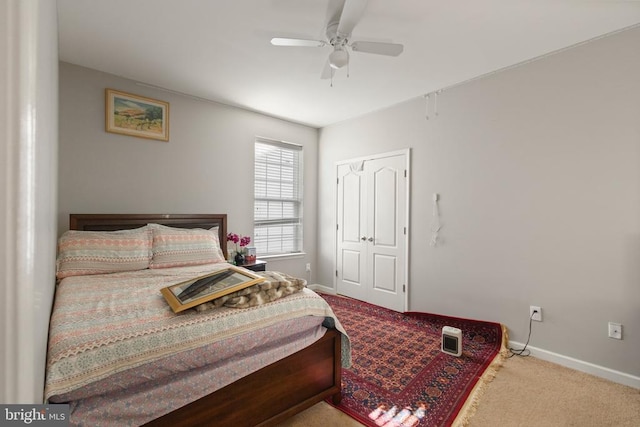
(111, 222)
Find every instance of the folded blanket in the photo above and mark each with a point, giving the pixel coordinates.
(276, 285)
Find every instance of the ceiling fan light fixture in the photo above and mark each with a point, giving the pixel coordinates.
(338, 58)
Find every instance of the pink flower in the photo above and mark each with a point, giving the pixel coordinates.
(242, 241)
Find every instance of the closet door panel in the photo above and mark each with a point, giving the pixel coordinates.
(384, 213)
(351, 267)
(385, 274)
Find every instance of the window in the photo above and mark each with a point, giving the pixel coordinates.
(278, 198)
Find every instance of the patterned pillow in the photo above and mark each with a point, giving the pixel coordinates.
(178, 247)
(83, 253)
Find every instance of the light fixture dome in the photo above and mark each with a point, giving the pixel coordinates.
(338, 58)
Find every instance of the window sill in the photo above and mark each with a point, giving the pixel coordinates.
(282, 257)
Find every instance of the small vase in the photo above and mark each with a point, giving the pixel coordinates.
(239, 259)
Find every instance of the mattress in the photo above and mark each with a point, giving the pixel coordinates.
(141, 394)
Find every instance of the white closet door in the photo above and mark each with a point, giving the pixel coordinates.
(371, 239)
(386, 202)
(351, 232)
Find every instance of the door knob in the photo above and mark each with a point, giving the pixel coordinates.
(363, 238)
(370, 239)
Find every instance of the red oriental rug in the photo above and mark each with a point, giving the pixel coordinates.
(399, 376)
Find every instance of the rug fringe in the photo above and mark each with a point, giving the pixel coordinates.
(471, 404)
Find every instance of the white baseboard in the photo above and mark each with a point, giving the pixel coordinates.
(582, 366)
(322, 288)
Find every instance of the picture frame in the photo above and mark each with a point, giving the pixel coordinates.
(135, 115)
(189, 293)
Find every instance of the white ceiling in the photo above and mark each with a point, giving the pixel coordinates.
(220, 50)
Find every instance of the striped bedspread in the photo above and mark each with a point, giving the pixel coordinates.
(105, 324)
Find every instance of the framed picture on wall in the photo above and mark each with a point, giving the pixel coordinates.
(135, 115)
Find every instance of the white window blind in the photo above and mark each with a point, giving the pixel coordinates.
(278, 198)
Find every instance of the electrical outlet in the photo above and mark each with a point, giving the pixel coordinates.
(535, 313)
(308, 268)
(615, 330)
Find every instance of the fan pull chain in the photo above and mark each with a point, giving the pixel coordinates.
(435, 103)
(426, 102)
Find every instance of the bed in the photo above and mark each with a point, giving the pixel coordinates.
(264, 397)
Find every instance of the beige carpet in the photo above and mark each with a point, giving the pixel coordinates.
(527, 392)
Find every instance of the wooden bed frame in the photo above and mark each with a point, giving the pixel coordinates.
(266, 397)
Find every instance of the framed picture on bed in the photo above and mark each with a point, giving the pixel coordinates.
(136, 115)
(188, 294)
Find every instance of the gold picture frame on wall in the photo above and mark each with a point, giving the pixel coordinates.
(136, 115)
(188, 294)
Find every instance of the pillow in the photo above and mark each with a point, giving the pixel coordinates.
(178, 247)
(83, 253)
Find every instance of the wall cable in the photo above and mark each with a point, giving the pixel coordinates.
(523, 352)
(436, 226)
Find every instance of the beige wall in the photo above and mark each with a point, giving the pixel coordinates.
(538, 170)
(206, 167)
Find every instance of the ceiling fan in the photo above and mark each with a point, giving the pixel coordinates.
(338, 33)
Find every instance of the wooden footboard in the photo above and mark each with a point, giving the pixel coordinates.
(271, 394)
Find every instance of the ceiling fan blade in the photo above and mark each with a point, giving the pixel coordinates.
(278, 41)
(334, 10)
(389, 49)
(326, 71)
(351, 14)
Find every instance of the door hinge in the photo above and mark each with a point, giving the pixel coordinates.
(337, 226)
(336, 273)
(404, 288)
(405, 231)
(338, 181)
(405, 173)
